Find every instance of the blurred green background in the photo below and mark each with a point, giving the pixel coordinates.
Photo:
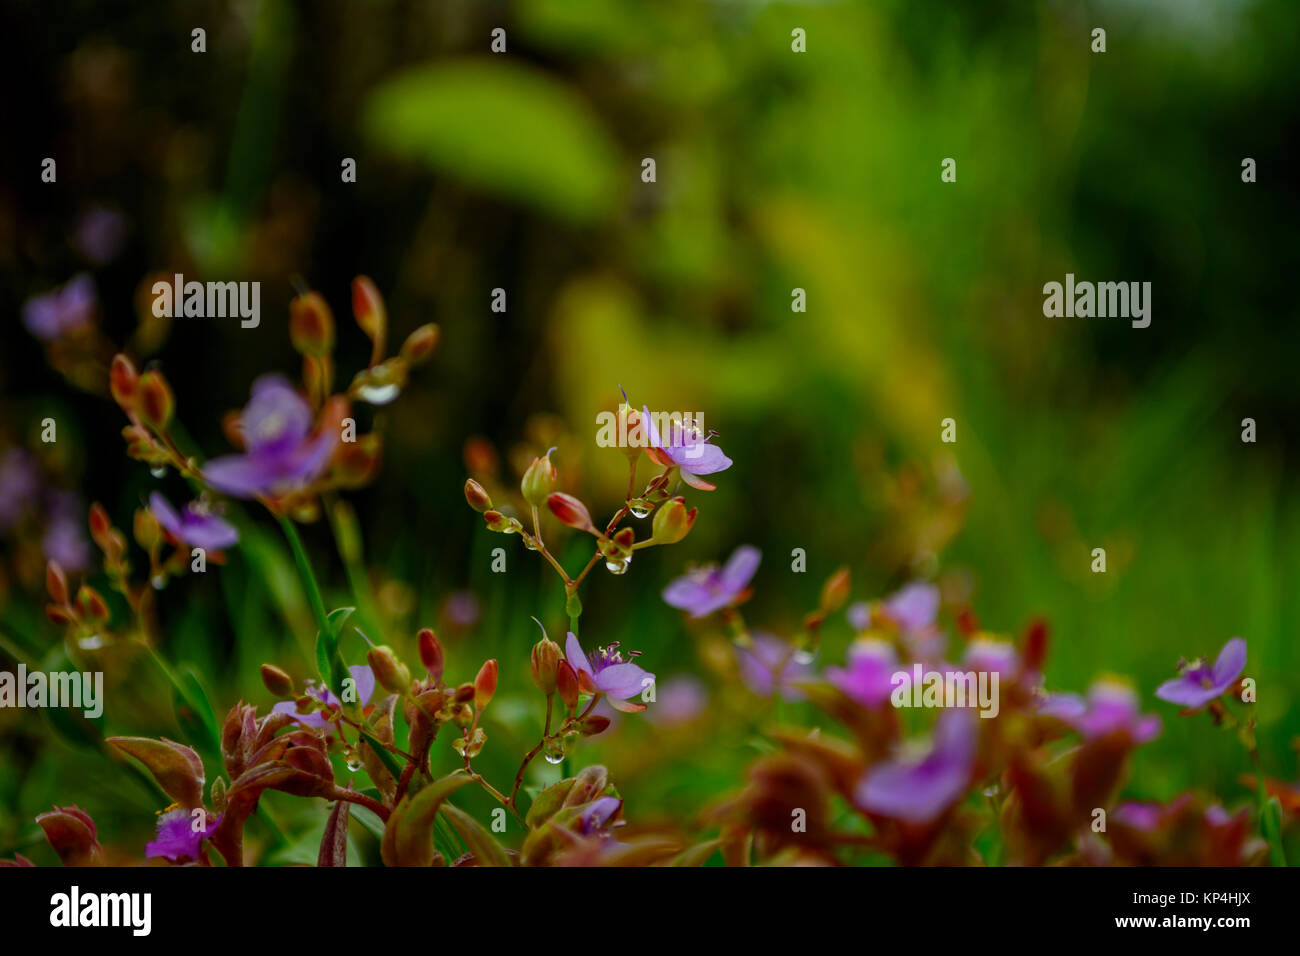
(775, 170)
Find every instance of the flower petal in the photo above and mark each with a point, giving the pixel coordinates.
(573, 654)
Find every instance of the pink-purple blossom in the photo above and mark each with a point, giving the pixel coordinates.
(1110, 707)
(918, 790)
(704, 590)
(363, 679)
(177, 839)
(194, 525)
(280, 452)
(687, 448)
(613, 675)
(1200, 683)
(54, 314)
(868, 679)
(769, 664)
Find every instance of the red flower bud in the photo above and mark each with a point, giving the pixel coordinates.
(277, 681)
(56, 582)
(478, 499)
(430, 652)
(123, 381)
(311, 324)
(571, 511)
(485, 684)
(835, 591)
(545, 665)
(420, 344)
(392, 674)
(370, 313)
(156, 402)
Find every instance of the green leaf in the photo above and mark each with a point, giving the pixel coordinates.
(504, 128)
(328, 660)
(194, 710)
(477, 839)
(408, 837)
(387, 759)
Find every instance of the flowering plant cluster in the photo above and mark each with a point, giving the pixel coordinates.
(1037, 782)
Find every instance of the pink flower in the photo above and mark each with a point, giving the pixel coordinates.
(708, 589)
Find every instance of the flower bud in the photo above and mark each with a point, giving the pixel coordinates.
(539, 480)
(463, 694)
(392, 674)
(566, 682)
(100, 525)
(592, 725)
(545, 664)
(56, 582)
(420, 344)
(311, 324)
(371, 315)
(123, 381)
(277, 681)
(835, 591)
(156, 402)
(672, 522)
(148, 532)
(478, 499)
(430, 652)
(91, 604)
(629, 421)
(485, 684)
(571, 511)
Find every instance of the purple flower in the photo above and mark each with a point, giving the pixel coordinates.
(859, 615)
(707, 589)
(462, 609)
(1199, 683)
(915, 607)
(280, 453)
(685, 448)
(770, 663)
(362, 677)
(60, 311)
(99, 234)
(20, 486)
(65, 537)
(919, 790)
(678, 700)
(596, 816)
(194, 526)
(869, 676)
(1110, 707)
(998, 657)
(609, 673)
(177, 839)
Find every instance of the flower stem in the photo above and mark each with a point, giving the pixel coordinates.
(305, 572)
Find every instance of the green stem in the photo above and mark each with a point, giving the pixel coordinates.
(305, 572)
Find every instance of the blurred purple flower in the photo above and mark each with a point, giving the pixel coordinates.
(1110, 707)
(194, 525)
(859, 615)
(177, 839)
(1000, 657)
(918, 791)
(705, 590)
(56, 313)
(20, 486)
(65, 538)
(362, 677)
(678, 700)
(768, 654)
(280, 453)
(915, 607)
(613, 676)
(462, 609)
(1199, 683)
(99, 233)
(686, 448)
(869, 676)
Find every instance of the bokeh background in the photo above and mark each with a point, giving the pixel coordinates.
(775, 170)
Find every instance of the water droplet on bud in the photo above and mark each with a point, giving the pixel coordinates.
(158, 471)
(639, 507)
(554, 752)
(617, 565)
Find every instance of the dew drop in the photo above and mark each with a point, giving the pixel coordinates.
(554, 752)
(158, 471)
(354, 765)
(378, 394)
(159, 581)
(639, 507)
(618, 565)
